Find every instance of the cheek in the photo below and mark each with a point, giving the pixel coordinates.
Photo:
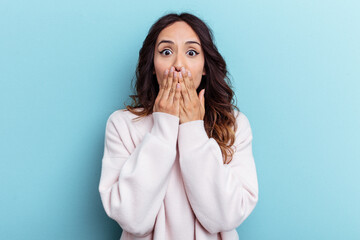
(198, 76)
(158, 68)
(160, 65)
(156, 64)
(197, 80)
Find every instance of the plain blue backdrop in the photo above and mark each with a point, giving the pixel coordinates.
(65, 66)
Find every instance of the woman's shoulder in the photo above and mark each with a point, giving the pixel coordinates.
(240, 116)
(124, 116)
(242, 122)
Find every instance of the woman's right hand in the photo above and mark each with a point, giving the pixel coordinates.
(168, 99)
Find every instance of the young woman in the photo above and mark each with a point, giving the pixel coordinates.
(178, 163)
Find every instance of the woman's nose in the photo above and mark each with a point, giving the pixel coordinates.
(178, 63)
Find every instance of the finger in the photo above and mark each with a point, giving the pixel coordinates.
(169, 81)
(202, 97)
(162, 84)
(183, 73)
(191, 86)
(178, 90)
(185, 93)
(173, 88)
(186, 77)
(181, 99)
(177, 96)
(181, 105)
(187, 82)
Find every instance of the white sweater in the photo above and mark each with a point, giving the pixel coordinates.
(164, 181)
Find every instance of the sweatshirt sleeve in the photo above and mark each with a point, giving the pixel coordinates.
(133, 185)
(222, 195)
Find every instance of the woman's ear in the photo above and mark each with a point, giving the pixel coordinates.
(204, 73)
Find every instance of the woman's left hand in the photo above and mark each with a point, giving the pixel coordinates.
(192, 106)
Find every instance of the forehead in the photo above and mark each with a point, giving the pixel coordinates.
(178, 31)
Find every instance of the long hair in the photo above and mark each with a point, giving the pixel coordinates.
(219, 119)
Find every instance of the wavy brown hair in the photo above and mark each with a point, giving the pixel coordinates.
(219, 119)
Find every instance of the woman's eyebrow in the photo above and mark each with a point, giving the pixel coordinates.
(171, 42)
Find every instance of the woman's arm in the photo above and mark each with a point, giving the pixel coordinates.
(133, 185)
(222, 196)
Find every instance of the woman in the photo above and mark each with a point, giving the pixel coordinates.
(178, 164)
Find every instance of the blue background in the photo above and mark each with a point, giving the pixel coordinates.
(65, 66)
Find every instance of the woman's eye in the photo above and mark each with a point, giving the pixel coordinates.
(194, 53)
(165, 51)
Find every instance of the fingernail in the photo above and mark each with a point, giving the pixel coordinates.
(189, 73)
(174, 74)
(166, 71)
(180, 75)
(178, 85)
(183, 69)
(171, 69)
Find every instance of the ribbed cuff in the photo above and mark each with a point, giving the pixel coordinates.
(165, 127)
(192, 135)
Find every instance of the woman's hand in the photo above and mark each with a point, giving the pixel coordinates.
(168, 99)
(192, 106)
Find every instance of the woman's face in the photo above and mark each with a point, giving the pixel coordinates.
(179, 46)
